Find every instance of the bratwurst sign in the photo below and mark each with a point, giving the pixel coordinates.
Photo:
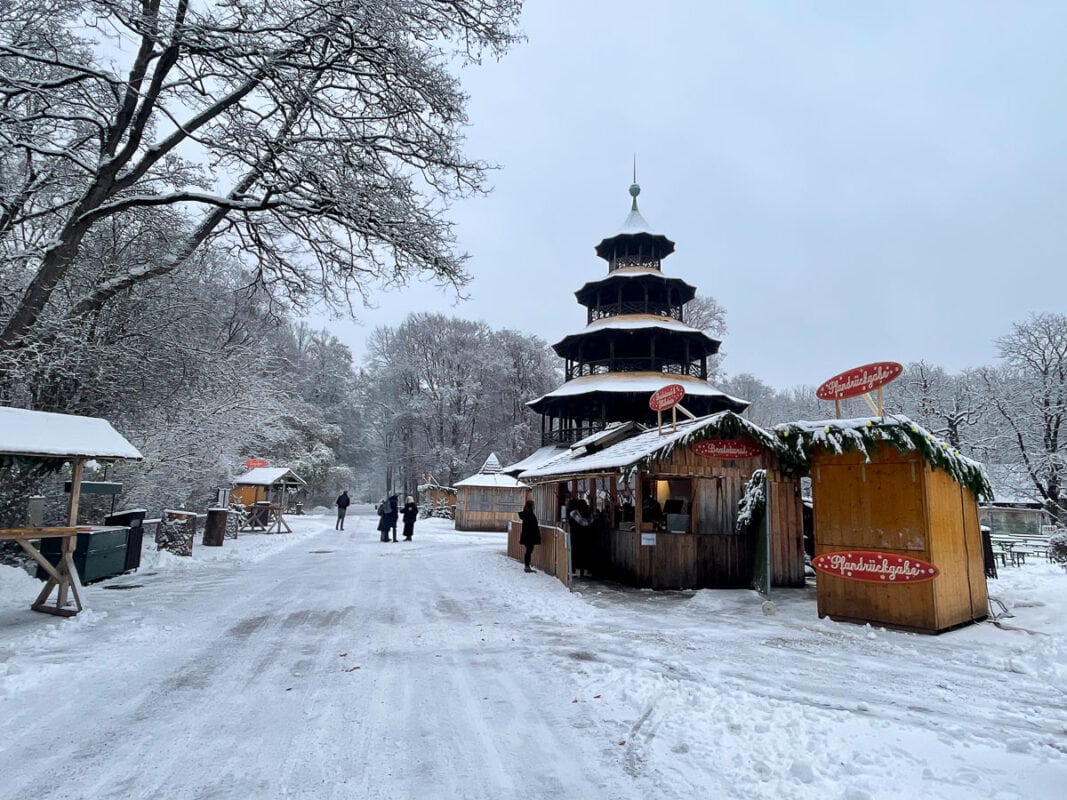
(860, 380)
(874, 567)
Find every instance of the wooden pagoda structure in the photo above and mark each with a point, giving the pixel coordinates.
(635, 342)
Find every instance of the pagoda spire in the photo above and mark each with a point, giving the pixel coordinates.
(634, 188)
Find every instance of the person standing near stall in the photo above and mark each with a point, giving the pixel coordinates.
(530, 536)
(410, 513)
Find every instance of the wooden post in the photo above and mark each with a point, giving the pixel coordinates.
(215, 527)
(66, 566)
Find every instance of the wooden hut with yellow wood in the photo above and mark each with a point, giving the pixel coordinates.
(897, 538)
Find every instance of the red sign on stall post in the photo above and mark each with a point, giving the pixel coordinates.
(253, 463)
(725, 448)
(874, 567)
(859, 381)
(667, 397)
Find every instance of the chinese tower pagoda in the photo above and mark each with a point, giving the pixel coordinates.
(635, 341)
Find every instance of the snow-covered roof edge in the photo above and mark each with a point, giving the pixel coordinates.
(845, 435)
(47, 435)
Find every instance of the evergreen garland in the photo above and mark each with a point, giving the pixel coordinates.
(724, 425)
(864, 434)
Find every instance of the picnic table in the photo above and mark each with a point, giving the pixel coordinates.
(1014, 549)
(62, 576)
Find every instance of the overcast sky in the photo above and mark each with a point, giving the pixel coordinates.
(853, 182)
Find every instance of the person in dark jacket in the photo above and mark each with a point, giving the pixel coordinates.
(383, 520)
(530, 536)
(390, 517)
(342, 507)
(410, 514)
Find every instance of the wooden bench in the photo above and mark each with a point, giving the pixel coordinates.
(61, 576)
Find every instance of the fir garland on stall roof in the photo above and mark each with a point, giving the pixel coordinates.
(864, 434)
(723, 425)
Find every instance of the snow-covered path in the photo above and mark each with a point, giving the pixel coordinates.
(331, 665)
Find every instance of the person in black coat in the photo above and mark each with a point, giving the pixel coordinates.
(390, 517)
(410, 514)
(342, 506)
(530, 536)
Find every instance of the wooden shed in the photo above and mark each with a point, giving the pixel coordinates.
(265, 484)
(897, 538)
(489, 500)
(665, 504)
(41, 442)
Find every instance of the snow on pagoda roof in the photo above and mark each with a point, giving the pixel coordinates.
(635, 223)
(636, 321)
(650, 445)
(267, 476)
(636, 383)
(47, 435)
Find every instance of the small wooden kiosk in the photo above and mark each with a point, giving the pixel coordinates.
(665, 504)
(897, 540)
(44, 441)
(490, 499)
(265, 492)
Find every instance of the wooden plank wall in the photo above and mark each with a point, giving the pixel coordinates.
(549, 557)
(898, 504)
(677, 560)
(486, 508)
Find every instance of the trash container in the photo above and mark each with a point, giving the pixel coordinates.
(100, 552)
(134, 520)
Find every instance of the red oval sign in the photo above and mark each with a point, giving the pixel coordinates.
(859, 381)
(866, 565)
(253, 463)
(725, 448)
(667, 397)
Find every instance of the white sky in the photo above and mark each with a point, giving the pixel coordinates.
(853, 182)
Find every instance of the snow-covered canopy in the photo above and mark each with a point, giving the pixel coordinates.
(269, 476)
(863, 433)
(40, 434)
(643, 448)
(535, 459)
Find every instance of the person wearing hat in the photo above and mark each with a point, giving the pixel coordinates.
(411, 513)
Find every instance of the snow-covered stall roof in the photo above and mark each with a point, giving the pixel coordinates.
(862, 433)
(535, 459)
(268, 476)
(642, 449)
(491, 475)
(635, 383)
(42, 434)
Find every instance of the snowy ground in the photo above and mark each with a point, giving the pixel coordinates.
(330, 665)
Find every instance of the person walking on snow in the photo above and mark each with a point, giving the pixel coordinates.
(342, 504)
(410, 514)
(530, 536)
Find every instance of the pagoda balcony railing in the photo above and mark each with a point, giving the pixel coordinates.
(569, 435)
(619, 262)
(635, 307)
(609, 365)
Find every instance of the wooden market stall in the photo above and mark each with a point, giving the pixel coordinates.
(265, 492)
(664, 505)
(490, 499)
(44, 442)
(897, 538)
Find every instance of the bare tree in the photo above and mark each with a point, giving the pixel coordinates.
(1029, 392)
(950, 406)
(321, 139)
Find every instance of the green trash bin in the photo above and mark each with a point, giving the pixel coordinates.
(98, 554)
